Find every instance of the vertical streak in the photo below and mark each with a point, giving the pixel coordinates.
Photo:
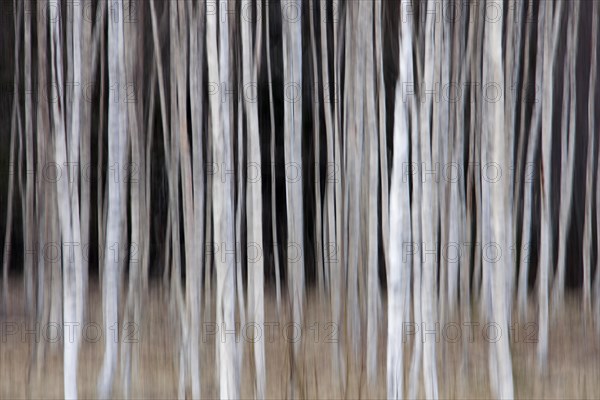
(567, 154)
(587, 228)
(400, 221)
(254, 204)
(222, 202)
(429, 211)
(531, 154)
(373, 168)
(292, 67)
(496, 194)
(116, 157)
(197, 107)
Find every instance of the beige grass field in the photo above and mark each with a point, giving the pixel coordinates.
(573, 366)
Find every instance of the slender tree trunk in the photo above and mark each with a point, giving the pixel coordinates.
(497, 196)
(546, 248)
(116, 156)
(272, 155)
(372, 187)
(254, 206)
(43, 189)
(131, 175)
(314, 96)
(222, 203)
(531, 154)
(429, 205)
(400, 223)
(292, 67)
(567, 154)
(29, 221)
(587, 228)
(196, 88)
(85, 154)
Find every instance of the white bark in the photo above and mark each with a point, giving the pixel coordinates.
(400, 224)
(429, 206)
(254, 208)
(496, 194)
(222, 203)
(68, 205)
(196, 88)
(372, 186)
(87, 75)
(587, 228)
(43, 191)
(133, 171)
(116, 156)
(28, 210)
(292, 67)
(546, 248)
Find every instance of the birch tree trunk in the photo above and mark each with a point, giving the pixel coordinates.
(546, 248)
(292, 68)
(132, 171)
(400, 223)
(373, 167)
(254, 206)
(29, 222)
(197, 47)
(587, 228)
(87, 75)
(497, 195)
(68, 206)
(43, 200)
(429, 213)
(222, 203)
(116, 157)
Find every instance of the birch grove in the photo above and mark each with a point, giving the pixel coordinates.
(367, 177)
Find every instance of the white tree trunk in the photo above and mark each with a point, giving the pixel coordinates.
(113, 244)
(372, 155)
(589, 178)
(222, 203)
(400, 224)
(547, 237)
(292, 67)
(254, 206)
(496, 194)
(429, 215)
(197, 47)
(68, 204)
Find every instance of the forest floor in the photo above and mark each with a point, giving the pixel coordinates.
(31, 357)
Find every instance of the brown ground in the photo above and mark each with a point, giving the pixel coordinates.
(573, 365)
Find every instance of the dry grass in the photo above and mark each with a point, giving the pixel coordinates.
(573, 365)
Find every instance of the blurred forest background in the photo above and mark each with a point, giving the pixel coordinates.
(299, 199)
